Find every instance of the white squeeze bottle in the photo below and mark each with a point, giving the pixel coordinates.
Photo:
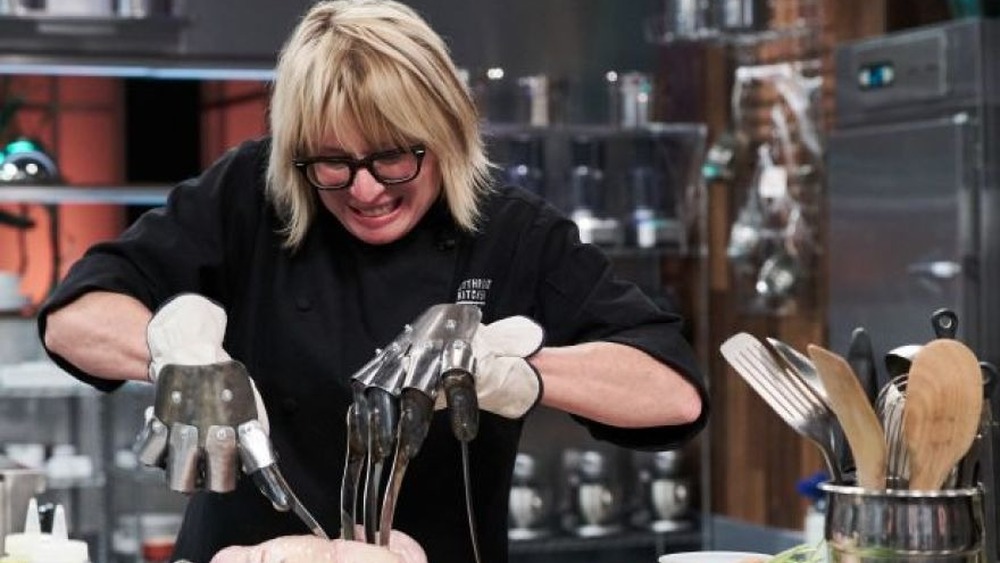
(33, 546)
(19, 547)
(57, 547)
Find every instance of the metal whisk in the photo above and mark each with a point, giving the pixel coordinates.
(889, 407)
(890, 404)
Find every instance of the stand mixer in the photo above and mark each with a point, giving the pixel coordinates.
(596, 501)
(530, 502)
(666, 491)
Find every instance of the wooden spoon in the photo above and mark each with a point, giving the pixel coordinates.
(944, 399)
(850, 403)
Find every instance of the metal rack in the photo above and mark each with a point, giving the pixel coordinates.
(72, 412)
(120, 503)
(675, 152)
(146, 47)
(55, 195)
(102, 425)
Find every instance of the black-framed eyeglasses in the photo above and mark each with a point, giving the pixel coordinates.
(337, 172)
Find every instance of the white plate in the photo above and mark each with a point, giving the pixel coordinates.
(712, 557)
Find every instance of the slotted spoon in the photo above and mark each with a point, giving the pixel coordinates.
(787, 395)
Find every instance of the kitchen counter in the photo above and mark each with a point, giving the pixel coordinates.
(730, 534)
(724, 533)
(637, 546)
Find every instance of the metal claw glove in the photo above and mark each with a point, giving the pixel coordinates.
(192, 429)
(208, 418)
(203, 398)
(506, 384)
(188, 330)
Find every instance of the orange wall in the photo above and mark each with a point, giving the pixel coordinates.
(81, 122)
(231, 112)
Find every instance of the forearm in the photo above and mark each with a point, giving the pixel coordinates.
(103, 334)
(616, 385)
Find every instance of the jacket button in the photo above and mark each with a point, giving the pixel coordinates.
(303, 303)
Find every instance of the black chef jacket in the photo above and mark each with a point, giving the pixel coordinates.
(304, 322)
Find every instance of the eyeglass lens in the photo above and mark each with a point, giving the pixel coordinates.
(391, 167)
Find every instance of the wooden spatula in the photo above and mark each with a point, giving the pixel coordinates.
(944, 399)
(850, 403)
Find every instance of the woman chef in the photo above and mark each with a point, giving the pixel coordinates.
(368, 203)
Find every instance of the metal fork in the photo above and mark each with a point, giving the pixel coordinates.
(787, 395)
(801, 365)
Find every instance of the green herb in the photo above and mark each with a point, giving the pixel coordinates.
(801, 554)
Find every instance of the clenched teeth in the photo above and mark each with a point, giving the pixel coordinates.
(376, 211)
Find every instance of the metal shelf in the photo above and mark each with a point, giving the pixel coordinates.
(93, 482)
(140, 474)
(114, 46)
(125, 195)
(174, 68)
(49, 392)
(654, 129)
(40, 379)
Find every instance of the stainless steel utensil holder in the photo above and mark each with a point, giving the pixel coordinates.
(868, 526)
(988, 475)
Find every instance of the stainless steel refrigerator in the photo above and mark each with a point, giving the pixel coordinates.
(914, 216)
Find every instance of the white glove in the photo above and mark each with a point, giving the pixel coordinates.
(187, 330)
(506, 384)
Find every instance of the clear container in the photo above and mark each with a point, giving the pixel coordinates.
(146, 534)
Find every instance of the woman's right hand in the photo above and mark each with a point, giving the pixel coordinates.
(311, 549)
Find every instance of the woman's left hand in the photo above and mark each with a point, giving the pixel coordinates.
(310, 549)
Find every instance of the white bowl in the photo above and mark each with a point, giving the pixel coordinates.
(712, 557)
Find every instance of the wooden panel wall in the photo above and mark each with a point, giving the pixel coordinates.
(756, 458)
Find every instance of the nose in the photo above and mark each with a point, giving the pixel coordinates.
(365, 187)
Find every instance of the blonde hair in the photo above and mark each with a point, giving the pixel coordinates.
(376, 66)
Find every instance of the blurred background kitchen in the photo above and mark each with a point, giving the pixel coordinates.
(789, 168)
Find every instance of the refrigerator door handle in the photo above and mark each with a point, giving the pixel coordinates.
(935, 269)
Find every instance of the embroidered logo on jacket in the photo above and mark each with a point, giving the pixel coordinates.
(473, 291)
